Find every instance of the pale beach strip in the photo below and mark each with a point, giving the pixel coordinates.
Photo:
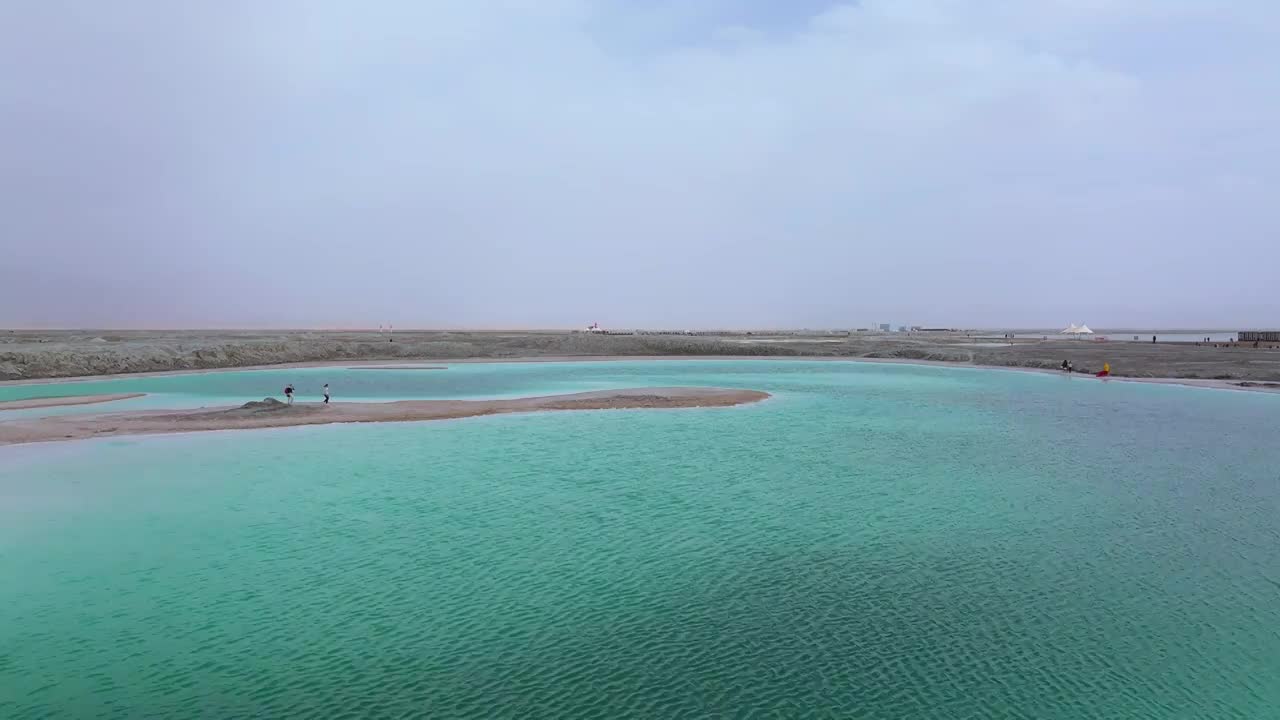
(274, 414)
(44, 402)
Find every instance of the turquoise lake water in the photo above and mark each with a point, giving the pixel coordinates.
(874, 541)
(474, 380)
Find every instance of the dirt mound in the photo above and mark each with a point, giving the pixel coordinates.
(264, 404)
(264, 409)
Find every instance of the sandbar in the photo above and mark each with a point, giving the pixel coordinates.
(397, 367)
(43, 402)
(274, 414)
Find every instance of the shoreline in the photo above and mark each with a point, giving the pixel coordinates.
(271, 413)
(442, 364)
(44, 402)
(393, 367)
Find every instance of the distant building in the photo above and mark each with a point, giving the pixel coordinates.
(885, 327)
(902, 328)
(1259, 336)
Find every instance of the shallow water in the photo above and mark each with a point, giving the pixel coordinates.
(465, 380)
(874, 541)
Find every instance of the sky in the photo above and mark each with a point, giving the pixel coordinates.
(639, 163)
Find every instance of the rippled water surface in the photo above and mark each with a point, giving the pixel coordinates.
(874, 541)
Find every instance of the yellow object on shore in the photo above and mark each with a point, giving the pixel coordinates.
(1106, 367)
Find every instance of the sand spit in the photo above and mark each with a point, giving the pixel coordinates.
(272, 413)
(43, 402)
(398, 367)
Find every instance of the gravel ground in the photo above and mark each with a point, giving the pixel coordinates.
(54, 354)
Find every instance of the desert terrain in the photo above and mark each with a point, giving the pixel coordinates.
(34, 355)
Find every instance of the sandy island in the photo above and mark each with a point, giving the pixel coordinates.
(272, 413)
(43, 402)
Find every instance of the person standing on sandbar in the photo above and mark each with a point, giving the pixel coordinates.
(326, 393)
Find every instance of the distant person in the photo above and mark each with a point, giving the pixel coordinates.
(288, 393)
(1064, 366)
(326, 393)
(1070, 367)
(1153, 339)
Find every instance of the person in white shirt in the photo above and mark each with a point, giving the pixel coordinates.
(326, 393)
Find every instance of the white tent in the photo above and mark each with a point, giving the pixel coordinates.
(1077, 330)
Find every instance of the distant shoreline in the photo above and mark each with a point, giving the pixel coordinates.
(441, 364)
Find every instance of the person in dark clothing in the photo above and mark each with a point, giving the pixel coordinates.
(1064, 366)
(288, 393)
(326, 393)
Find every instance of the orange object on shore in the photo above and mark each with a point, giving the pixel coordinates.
(1106, 370)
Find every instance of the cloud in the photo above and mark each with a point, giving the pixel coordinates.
(691, 163)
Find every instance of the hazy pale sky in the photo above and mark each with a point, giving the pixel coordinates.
(549, 163)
